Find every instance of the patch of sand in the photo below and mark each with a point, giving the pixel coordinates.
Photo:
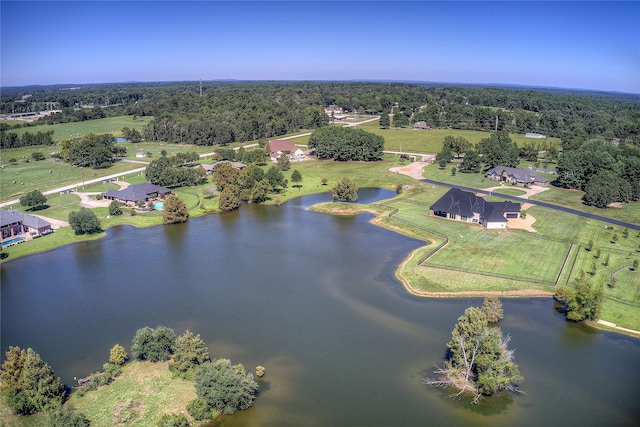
(88, 202)
(414, 170)
(522, 223)
(465, 294)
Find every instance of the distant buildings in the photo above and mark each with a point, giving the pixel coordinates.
(277, 147)
(534, 135)
(422, 125)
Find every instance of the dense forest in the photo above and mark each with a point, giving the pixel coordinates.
(600, 132)
(218, 113)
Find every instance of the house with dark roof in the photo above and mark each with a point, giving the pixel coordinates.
(137, 192)
(465, 206)
(516, 176)
(277, 147)
(14, 223)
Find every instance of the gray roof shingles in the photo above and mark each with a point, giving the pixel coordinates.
(11, 216)
(461, 202)
(136, 192)
(521, 175)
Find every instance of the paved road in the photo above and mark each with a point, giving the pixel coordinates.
(102, 178)
(75, 186)
(538, 203)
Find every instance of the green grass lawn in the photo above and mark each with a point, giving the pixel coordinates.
(475, 180)
(629, 212)
(495, 254)
(144, 391)
(20, 178)
(430, 141)
(113, 125)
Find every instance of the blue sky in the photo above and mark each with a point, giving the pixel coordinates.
(587, 45)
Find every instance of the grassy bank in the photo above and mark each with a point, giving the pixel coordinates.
(138, 398)
(141, 394)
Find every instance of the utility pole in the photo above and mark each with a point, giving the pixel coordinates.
(496, 129)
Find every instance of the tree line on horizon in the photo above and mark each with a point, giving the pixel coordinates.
(242, 111)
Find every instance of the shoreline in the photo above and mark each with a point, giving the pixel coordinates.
(378, 221)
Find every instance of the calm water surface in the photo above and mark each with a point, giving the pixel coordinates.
(312, 298)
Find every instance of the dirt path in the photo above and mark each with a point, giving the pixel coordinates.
(614, 326)
(414, 170)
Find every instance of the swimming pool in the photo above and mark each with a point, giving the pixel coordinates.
(12, 241)
(158, 206)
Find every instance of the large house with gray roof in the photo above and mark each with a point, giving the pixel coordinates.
(136, 193)
(517, 176)
(14, 223)
(464, 206)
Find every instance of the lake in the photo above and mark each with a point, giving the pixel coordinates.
(313, 298)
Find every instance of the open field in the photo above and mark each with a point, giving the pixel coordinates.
(144, 391)
(113, 125)
(156, 147)
(430, 141)
(20, 178)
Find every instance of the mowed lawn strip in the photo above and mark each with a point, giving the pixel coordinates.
(518, 254)
(504, 253)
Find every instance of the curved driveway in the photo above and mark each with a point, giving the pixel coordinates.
(537, 203)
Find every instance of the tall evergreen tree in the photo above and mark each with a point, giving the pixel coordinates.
(28, 383)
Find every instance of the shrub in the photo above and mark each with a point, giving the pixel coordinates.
(117, 355)
(199, 409)
(345, 191)
(173, 420)
(225, 387)
(153, 344)
(115, 208)
(84, 221)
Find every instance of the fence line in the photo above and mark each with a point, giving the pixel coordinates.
(392, 216)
